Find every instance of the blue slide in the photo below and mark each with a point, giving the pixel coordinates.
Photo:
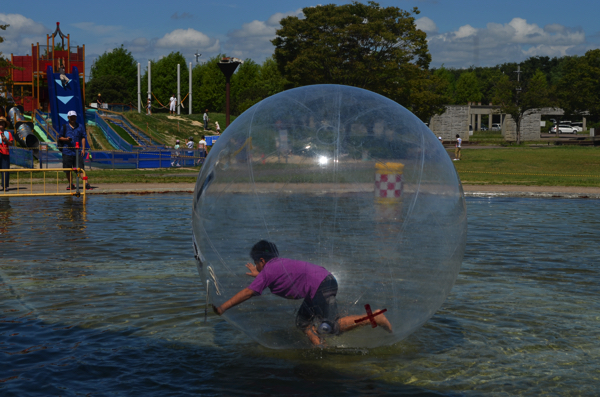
(63, 99)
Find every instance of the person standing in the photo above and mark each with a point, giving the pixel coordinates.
(190, 152)
(7, 140)
(202, 149)
(205, 118)
(71, 134)
(172, 104)
(175, 162)
(99, 101)
(457, 149)
(149, 108)
(218, 127)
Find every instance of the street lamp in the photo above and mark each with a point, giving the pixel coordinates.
(228, 66)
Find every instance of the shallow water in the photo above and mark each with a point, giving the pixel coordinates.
(107, 301)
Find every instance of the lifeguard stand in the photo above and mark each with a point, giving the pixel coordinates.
(29, 81)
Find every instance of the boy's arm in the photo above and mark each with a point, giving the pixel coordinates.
(238, 298)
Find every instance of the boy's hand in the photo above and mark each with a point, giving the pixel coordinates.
(253, 272)
(217, 310)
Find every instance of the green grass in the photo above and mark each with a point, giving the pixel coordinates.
(178, 175)
(166, 130)
(542, 166)
(122, 133)
(98, 138)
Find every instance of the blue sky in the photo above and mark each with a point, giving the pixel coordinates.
(460, 33)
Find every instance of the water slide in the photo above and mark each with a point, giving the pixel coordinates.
(63, 99)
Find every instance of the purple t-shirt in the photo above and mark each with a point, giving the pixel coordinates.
(289, 278)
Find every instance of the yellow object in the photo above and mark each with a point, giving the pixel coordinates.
(389, 168)
(44, 192)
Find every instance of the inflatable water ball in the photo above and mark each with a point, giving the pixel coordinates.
(342, 178)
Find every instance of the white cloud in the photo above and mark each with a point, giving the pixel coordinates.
(500, 43)
(426, 25)
(253, 40)
(21, 33)
(187, 38)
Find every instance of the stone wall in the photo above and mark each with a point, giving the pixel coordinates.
(455, 120)
(530, 127)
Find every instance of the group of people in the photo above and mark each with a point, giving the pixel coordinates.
(190, 151)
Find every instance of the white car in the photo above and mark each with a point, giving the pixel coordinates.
(564, 129)
(496, 127)
(578, 126)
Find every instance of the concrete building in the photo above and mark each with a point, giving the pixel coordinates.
(460, 119)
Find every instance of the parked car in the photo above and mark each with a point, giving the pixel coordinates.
(578, 126)
(496, 127)
(564, 129)
(483, 128)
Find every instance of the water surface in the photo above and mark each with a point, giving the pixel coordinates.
(106, 300)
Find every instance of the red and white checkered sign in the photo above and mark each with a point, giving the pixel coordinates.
(388, 185)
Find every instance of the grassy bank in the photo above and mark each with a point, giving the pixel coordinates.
(168, 128)
(551, 166)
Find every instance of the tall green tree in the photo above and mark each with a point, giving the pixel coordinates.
(578, 90)
(113, 88)
(518, 99)
(209, 86)
(362, 45)
(448, 76)
(118, 62)
(467, 89)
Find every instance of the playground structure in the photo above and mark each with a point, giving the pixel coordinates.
(29, 76)
(47, 84)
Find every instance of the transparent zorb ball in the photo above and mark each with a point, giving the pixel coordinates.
(343, 178)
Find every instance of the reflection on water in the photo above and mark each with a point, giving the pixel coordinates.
(108, 301)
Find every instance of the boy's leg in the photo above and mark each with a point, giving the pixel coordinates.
(348, 323)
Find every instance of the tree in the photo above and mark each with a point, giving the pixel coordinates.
(467, 89)
(578, 90)
(362, 45)
(517, 100)
(118, 62)
(210, 81)
(113, 88)
(448, 76)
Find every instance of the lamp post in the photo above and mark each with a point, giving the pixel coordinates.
(228, 66)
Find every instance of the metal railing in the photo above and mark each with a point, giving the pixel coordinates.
(115, 159)
(41, 185)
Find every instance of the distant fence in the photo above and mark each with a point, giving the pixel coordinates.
(21, 157)
(164, 158)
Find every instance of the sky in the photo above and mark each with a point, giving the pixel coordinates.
(461, 33)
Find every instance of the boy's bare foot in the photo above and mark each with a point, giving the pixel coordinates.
(313, 336)
(384, 323)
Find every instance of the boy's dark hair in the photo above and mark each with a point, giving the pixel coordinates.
(264, 249)
(458, 136)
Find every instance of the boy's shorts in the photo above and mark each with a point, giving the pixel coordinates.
(321, 308)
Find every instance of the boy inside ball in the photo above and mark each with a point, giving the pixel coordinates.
(292, 279)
